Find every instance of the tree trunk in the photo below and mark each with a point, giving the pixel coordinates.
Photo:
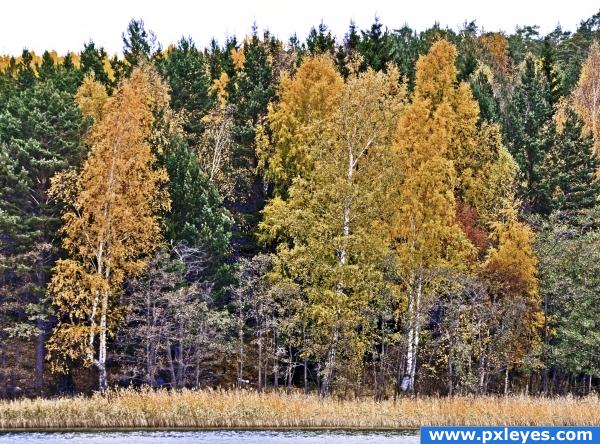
(305, 360)
(275, 362)
(450, 374)
(259, 361)
(101, 363)
(329, 364)
(171, 365)
(414, 307)
(40, 342)
(240, 356)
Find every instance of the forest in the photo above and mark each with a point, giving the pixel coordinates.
(382, 214)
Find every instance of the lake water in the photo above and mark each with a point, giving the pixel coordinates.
(213, 436)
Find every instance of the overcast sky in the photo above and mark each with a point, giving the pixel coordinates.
(65, 25)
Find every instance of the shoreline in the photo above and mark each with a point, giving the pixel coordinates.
(217, 409)
(400, 431)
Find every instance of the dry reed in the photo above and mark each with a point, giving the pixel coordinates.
(190, 409)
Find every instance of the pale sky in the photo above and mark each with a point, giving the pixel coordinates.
(64, 25)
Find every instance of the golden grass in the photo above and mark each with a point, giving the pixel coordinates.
(131, 409)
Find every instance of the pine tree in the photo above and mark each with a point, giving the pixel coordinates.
(47, 69)
(139, 45)
(40, 135)
(68, 77)
(550, 70)
(320, 41)
(374, 46)
(25, 72)
(186, 72)
(249, 92)
(95, 60)
(489, 108)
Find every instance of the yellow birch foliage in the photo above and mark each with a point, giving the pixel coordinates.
(91, 97)
(424, 225)
(496, 46)
(113, 226)
(306, 105)
(511, 269)
(586, 94)
(331, 223)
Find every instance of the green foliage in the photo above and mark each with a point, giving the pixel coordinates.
(571, 167)
(320, 41)
(489, 108)
(139, 45)
(93, 60)
(528, 131)
(186, 72)
(570, 287)
(197, 214)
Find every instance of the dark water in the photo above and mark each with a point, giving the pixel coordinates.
(213, 436)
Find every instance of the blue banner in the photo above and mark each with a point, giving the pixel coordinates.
(512, 435)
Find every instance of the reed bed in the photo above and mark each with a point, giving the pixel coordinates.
(202, 409)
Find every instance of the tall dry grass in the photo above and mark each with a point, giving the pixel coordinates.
(131, 409)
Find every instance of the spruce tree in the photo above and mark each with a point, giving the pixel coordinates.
(550, 70)
(249, 91)
(47, 68)
(489, 108)
(572, 167)
(528, 135)
(321, 41)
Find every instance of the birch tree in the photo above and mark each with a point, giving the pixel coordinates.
(424, 227)
(587, 93)
(111, 229)
(331, 227)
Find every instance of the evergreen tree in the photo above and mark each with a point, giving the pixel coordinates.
(40, 134)
(186, 72)
(374, 46)
(25, 72)
(320, 41)
(528, 132)
(139, 45)
(47, 69)
(93, 60)
(489, 108)
(249, 93)
(571, 167)
(404, 51)
(68, 77)
(550, 70)
(197, 214)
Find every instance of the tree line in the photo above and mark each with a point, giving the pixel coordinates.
(393, 212)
